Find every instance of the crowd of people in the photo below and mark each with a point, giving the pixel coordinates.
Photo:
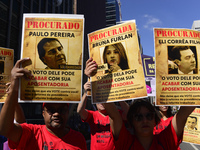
(152, 128)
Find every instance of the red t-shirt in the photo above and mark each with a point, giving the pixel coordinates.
(166, 140)
(37, 137)
(162, 125)
(101, 138)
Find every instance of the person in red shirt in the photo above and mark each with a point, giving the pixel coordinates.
(52, 135)
(99, 122)
(165, 113)
(166, 116)
(142, 117)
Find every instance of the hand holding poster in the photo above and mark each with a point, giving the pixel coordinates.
(192, 128)
(177, 66)
(120, 73)
(6, 65)
(54, 43)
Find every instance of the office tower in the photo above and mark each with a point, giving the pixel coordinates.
(113, 12)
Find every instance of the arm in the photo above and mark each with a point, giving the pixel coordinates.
(7, 127)
(19, 114)
(180, 119)
(115, 119)
(81, 106)
(125, 108)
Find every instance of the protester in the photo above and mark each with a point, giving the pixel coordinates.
(52, 135)
(166, 116)
(165, 113)
(99, 122)
(142, 117)
(18, 118)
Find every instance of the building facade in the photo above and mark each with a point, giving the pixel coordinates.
(196, 25)
(12, 13)
(113, 12)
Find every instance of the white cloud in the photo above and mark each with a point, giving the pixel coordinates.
(151, 22)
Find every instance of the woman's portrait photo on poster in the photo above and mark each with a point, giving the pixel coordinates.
(116, 57)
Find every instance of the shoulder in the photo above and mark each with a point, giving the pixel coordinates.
(168, 137)
(26, 126)
(93, 113)
(170, 118)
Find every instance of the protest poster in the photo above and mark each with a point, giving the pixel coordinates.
(149, 73)
(54, 43)
(192, 128)
(120, 73)
(177, 66)
(6, 65)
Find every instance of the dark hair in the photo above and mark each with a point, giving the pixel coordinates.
(40, 47)
(193, 118)
(176, 51)
(169, 111)
(135, 108)
(123, 58)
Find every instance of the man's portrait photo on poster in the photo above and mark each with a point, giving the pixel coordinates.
(191, 123)
(52, 53)
(115, 57)
(182, 60)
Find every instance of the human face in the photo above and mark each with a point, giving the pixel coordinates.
(191, 123)
(112, 55)
(187, 62)
(54, 54)
(143, 122)
(55, 115)
(100, 107)
(163, 108)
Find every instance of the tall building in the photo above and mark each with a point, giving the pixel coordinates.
(113, 12)
(12, 13)
(196, 25)
(95, 19)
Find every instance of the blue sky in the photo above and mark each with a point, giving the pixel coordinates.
(159, 13)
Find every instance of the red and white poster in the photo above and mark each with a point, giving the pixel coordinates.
(120, 73)
(54, 43)
(6, 65)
